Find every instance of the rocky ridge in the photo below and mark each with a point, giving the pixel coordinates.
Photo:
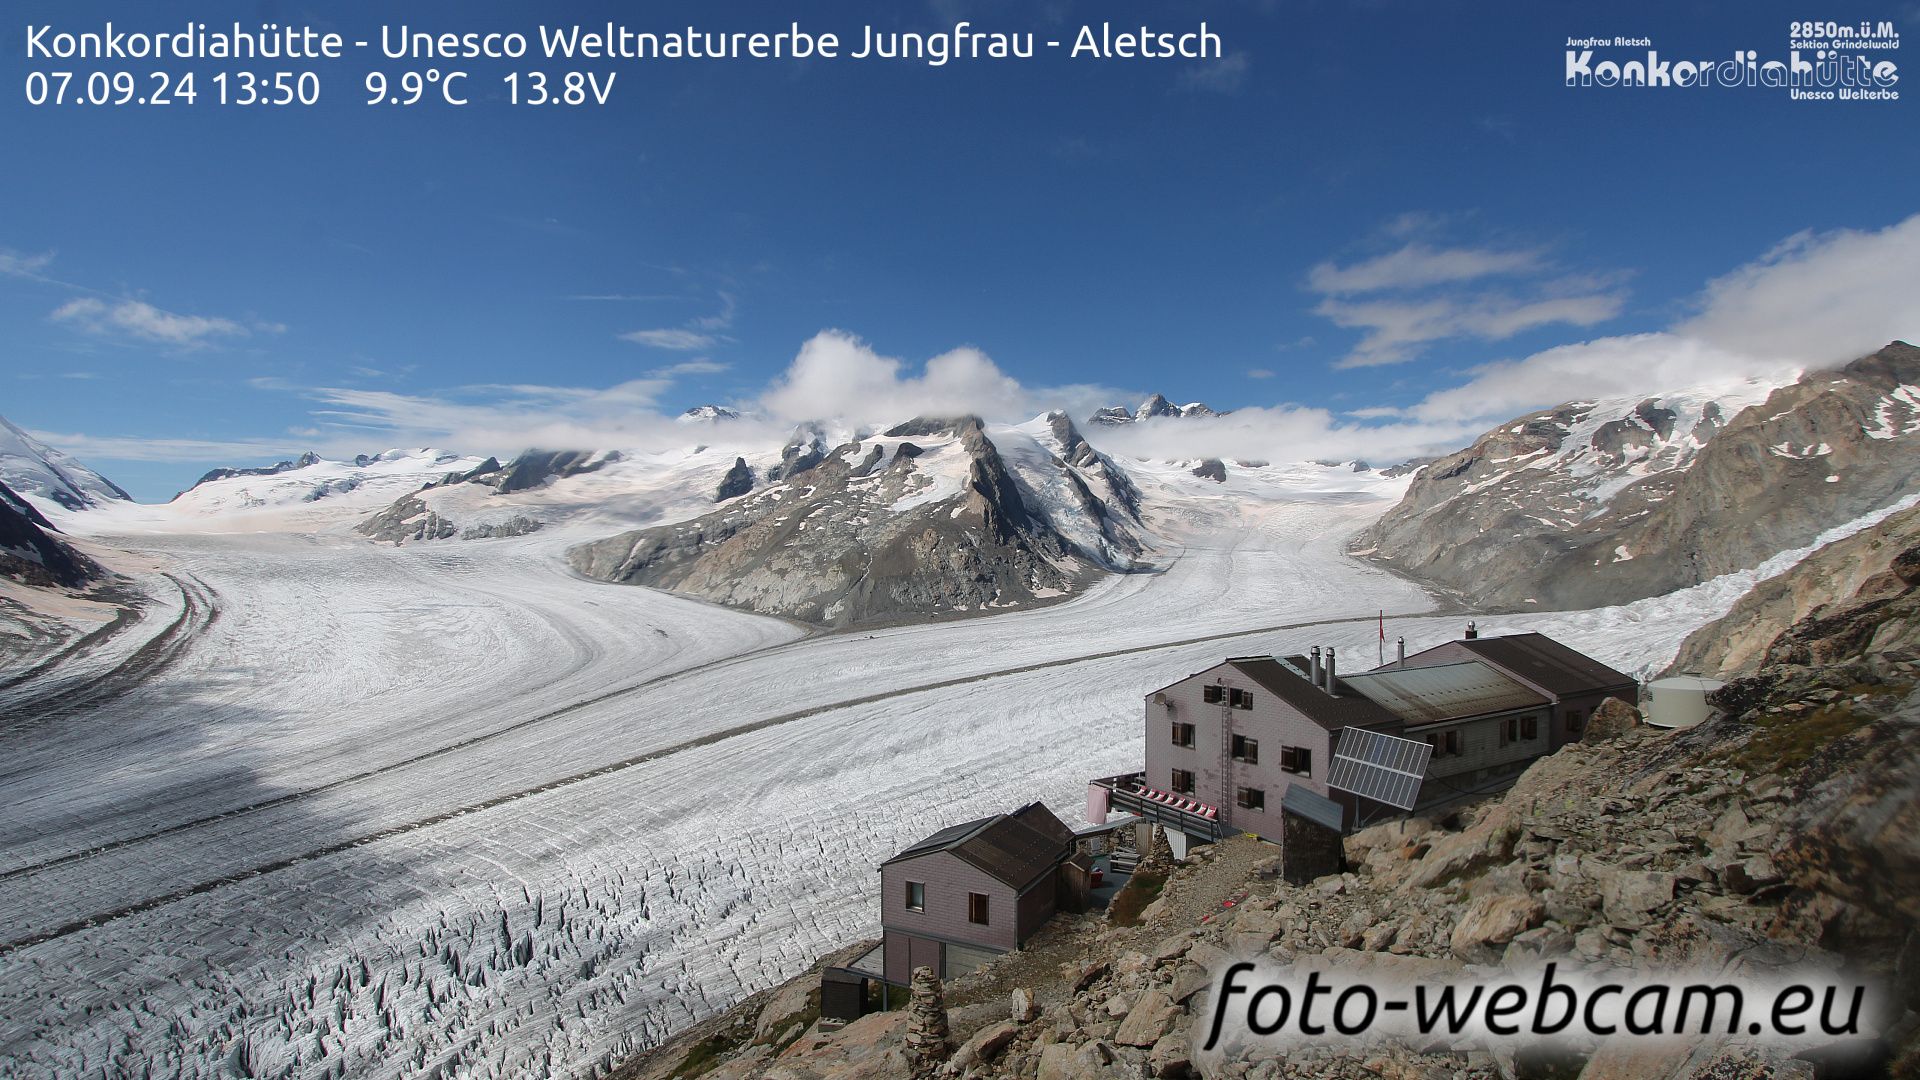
(1595, 503)
(927, 519)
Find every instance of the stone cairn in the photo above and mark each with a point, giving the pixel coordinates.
(927, 1042)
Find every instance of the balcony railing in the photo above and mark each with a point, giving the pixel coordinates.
(1130, 793)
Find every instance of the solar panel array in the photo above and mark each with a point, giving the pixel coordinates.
(1383, 768)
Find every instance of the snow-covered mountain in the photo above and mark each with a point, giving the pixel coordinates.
(1152, 408)
(1599, 502)
(932, 517)
(33, 469)
(707, 414)
(363, 482)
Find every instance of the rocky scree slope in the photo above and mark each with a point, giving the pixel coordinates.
(1596, 503)
(1780, 837)
(928, 519)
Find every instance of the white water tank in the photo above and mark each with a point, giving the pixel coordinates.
(1680, 701)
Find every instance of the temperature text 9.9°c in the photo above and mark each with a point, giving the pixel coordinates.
(522, 87)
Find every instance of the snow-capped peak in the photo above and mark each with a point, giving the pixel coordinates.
(38, 471)
(707, 414)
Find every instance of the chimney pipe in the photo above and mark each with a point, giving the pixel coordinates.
(1315, 654)
(1402, 650)
(1331, 684)
(1473, 631)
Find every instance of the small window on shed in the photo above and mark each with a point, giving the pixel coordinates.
(977, 908)
(1529, 727)
(1213, 695)
(1454, 742)
(916, 896)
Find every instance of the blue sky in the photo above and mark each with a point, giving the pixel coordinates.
(1358, 207)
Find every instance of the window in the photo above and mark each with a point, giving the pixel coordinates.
(1296, 759)
(1512, 733)
(1182, 782)
(1529, 727)
(916, 896)
(1240, 699)
(1454, 742)
(1247, 750)
(1576, 723)
(1213, 695)
(977, 908)
(1183, 734)
(1250, 798)
(1447, 742)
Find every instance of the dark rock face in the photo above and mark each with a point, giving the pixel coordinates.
(1211, 469)
(1530, 515)
(31, 554)
(737, 482)
(807, 449)
(518, 525)
(407, 519)
(859, 541)
(537, 467)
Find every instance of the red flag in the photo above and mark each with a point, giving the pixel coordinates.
(1383, 624)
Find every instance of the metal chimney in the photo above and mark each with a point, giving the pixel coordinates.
(1402, 651)
(1473, 631)
(1315, 654)
(1331, 684)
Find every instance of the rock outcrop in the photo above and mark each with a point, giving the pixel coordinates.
(937, 526)
(32, 553)
(1596, 503)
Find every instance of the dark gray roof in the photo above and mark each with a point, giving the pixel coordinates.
(1444, 692)
(1537, 658)
(1015, 849)
(1284, 680)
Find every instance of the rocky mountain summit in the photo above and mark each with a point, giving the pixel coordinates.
(930, 518)
(1152, 408)
(1596, 503)
(1780, 837)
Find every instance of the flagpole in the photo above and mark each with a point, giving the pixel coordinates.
(1380, 646)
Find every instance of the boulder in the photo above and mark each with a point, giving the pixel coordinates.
(985, 1045)
(1149, 1019)
(1628, 897)
(1492, 921)
(1611, 720)
(1025, 1008)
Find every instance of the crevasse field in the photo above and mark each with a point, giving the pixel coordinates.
(339, 808)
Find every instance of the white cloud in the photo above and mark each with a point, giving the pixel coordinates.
(16, 264)
(1397, 329)
(1817, 298)
(1260, 373)
(702, 366)
(672, 340)
(141, 320)
(1417, 265)
(1405, 299)
(1223, 76)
